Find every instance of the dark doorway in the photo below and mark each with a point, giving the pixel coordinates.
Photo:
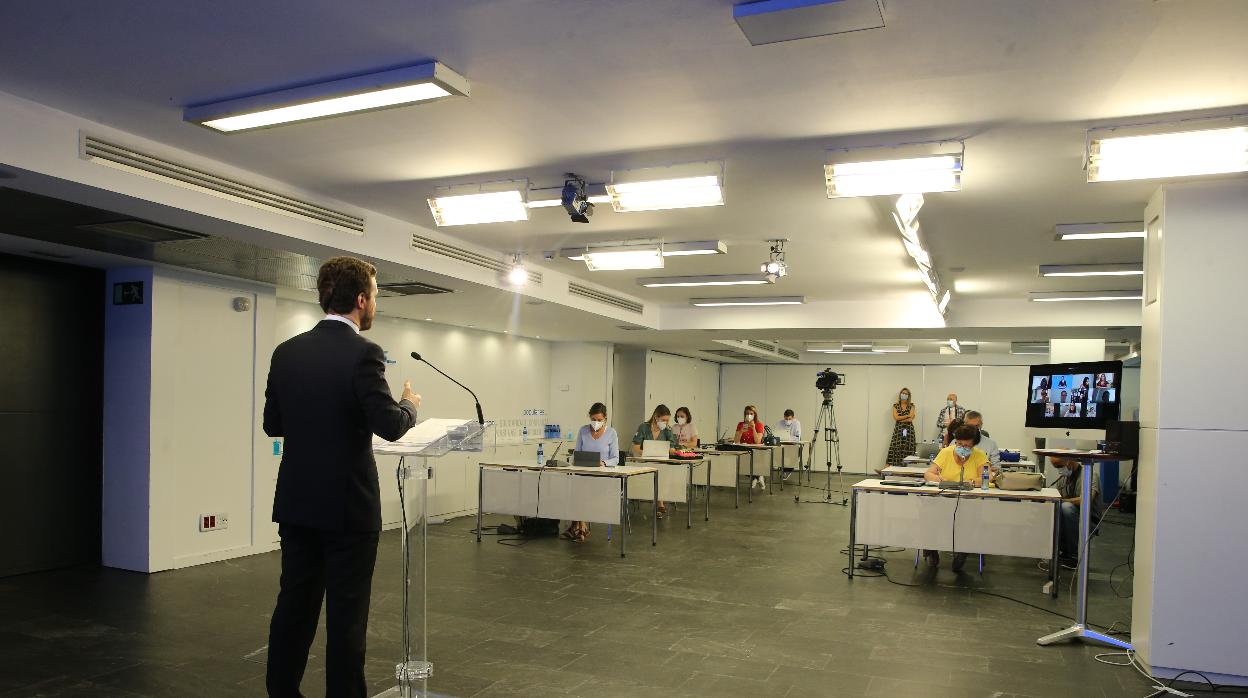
(51, 430)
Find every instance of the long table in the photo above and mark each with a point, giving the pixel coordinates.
(570, 493)
(676, 482)
(990, 522)
(737, 457)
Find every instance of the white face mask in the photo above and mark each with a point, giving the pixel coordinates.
(749, 417)
(662, 424)
(597, 424)
(680, 420)
(905, 397)
(788, 422)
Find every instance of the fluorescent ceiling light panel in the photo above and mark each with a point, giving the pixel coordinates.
(615, 257)
(662, 188)
(681, 249)
(850, 173)
(855, 348)
(1071, 296)
(723, 302)
(670, 249)
(1099, 231)
(943, 305)
(390, 88)
(1136, 269)
(1184, 153)
(705, 280)
(486, 207)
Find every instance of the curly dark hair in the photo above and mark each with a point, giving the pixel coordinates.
(341, 280)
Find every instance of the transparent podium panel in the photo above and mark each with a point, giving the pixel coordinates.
(414, 669)
(431, 438)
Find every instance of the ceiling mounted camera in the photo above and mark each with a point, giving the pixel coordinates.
(574, 199)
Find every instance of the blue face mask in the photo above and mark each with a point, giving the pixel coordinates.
(962, 451)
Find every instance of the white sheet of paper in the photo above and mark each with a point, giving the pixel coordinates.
(422, 434)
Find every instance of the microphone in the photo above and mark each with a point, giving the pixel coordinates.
(480, 416)
(552, 461)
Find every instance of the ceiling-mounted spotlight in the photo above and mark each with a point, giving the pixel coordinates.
(575, 200)
(517, 275)
(775, 267)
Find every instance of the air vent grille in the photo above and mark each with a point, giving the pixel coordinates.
(630, 328)
(154, 167)
(733, 354)
(459, 254)
(788, 353)
(761, 346)
(594, 294)
(410, 288)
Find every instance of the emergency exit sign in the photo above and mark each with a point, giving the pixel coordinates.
(128, 293)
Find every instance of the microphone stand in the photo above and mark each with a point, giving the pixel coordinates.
(480, 415)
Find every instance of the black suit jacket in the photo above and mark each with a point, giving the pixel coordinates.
(327, 395)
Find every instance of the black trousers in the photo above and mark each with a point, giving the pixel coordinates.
(338, 567)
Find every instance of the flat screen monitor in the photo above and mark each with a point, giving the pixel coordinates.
(1074, 396)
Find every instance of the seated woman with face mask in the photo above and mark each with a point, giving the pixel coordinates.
(959, 461)
(595, 436)
(657, 428)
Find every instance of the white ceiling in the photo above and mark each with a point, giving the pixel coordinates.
(568, 85)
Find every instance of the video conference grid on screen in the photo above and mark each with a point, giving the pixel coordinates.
(1074, 394)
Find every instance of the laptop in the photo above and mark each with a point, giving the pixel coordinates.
(586, 459)
(654, 449)
(927, 450)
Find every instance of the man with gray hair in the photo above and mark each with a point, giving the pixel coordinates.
(986, 442)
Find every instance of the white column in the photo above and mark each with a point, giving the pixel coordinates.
(1188, 611)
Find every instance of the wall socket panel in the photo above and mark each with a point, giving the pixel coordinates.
(213, 522)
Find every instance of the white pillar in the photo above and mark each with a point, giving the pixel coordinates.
(1188, 611)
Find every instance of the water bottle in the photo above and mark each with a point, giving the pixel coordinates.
(541, 456)
(524, 434)
(984, 479)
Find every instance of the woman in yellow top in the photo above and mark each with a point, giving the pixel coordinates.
(960, 460)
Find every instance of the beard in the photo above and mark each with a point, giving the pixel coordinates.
(366, 318)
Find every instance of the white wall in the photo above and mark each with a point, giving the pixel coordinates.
(863, 405)
(678, 381)
(581, 374)
(184, 436)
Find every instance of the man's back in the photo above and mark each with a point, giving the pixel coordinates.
(327, 395)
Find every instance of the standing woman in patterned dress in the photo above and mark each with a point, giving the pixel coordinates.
(902, 443)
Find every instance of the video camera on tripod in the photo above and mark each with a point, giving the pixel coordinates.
(827, 380)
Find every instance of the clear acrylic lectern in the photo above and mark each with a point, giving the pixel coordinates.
(430, 438)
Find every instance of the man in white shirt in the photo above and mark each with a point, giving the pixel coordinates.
(790, 425)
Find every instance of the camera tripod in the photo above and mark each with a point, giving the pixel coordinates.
(826, 423)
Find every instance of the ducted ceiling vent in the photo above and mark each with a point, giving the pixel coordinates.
(409, 288)
(459, 254)
(736, 355)
(594, 294)
(760, 350)
(122, 157)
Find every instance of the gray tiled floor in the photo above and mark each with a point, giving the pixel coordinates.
(751, 604)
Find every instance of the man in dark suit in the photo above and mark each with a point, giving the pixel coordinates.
(327, 395)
